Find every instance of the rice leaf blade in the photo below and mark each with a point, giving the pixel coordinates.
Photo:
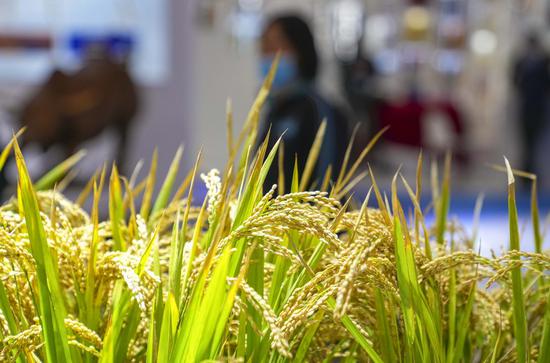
(149, 186)
(51, 304)
(520, 321)
(166, 189)
(57, 173)
(7, 149)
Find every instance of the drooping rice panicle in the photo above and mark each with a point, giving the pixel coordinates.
(249, 274)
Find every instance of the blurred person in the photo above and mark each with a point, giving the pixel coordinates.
(70, 109)
(531, 79)
(295, 109)
(360, 84)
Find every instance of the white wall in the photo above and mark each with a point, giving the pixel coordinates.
(168, 110)
(222, 70)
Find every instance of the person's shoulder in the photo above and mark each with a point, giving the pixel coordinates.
(299, 100)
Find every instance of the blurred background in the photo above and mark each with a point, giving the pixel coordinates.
(120, 77)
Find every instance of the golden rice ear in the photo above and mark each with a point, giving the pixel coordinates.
(252, 276)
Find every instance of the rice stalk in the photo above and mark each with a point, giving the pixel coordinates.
(248, 275)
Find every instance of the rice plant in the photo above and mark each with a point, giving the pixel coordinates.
(248, 276)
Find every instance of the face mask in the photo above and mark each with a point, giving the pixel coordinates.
(287, 71)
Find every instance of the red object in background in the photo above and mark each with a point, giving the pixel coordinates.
(404, 120)
(448, 108)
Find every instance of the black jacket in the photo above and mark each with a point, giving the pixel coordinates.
(296, 113)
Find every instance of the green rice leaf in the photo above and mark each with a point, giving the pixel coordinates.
(149, 186)
(50, 298)
(6, 310)
(116, 210)
(340, 183)
(520, 322)
(313, 156)
(166, 189)
(7, 149)
(544, 351)
(443, 202)
(57, 173)
(168, 329)
(383, 329)
(307, 339)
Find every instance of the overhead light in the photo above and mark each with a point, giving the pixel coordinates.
(483, 42)
(416, 21)
(347, 27)
(379, 29)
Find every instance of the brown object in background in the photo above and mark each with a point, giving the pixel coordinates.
(69, 109)
(25, 42)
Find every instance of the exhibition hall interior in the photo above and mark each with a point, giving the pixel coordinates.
(466, 80)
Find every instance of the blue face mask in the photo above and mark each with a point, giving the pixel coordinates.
(287, 71)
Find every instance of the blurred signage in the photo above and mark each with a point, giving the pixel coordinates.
(37, 35)
(116, 45)
(24, 41)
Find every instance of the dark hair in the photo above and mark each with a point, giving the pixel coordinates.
(298, 33)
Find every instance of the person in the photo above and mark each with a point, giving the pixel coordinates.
(531, 78)
(360, 80)
(295, 109)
